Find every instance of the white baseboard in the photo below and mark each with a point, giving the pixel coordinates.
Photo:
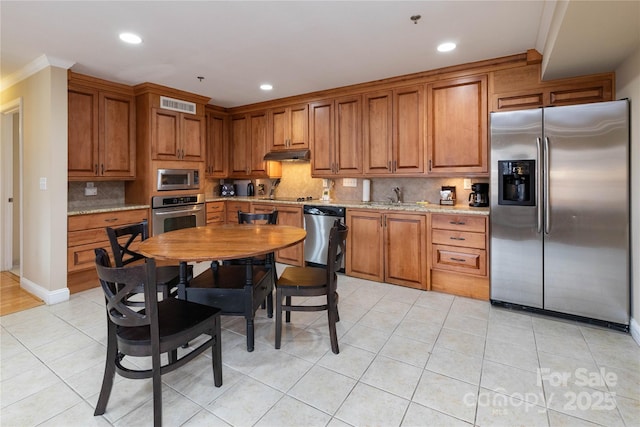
(49, 297)
(634, 328)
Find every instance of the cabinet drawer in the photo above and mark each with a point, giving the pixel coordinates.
(459, 222)
(83, 237)
(472, 261)
(458, 238)
(83, 257)
(215, 218)
(106, 219)
(213, 207)
(233, 208)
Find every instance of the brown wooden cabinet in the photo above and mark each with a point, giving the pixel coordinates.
(216, 165)
(216, 213)
(232, 207)
(457, 134)
(335, 137)
(459, 251)
(101, 131)
(394, 132)
(287, 215)
(177, 136)
(387, 247)
(86, 233)
(289, 127)
(248, 146)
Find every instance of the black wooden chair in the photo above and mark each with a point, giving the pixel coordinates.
(312, 282)
(121, 240)
(161, 327)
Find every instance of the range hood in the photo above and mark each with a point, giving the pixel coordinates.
(288, 155)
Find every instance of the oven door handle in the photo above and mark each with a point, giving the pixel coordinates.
(171, 211)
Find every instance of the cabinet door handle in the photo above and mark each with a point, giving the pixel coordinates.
(395, 166)
(389, 166)
(111, 219)
(457, 238)
(96, 166)
(458, 259)
(457, 222)
(102, 169)
(429, 164)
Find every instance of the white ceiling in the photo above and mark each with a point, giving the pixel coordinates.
(306, 46)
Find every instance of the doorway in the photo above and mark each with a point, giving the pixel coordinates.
(11, 187)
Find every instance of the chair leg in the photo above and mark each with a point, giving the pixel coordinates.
(157, 390)
(333, 314)
(288, 313)
(278, 317)
(270, 305)
(216, 355)
(250, 333)
(109, 370)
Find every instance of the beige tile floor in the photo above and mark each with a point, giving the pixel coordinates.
(408, 358)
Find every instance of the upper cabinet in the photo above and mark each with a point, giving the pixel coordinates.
(177, 136)
(248, 146)
(457, 141)
(101, 130)
(394, 132)
(289, 127)
(217, 144)
(335, 137)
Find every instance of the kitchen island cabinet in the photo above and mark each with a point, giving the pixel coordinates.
(101, 130)
(459, 247)
(335, 137)
(215, 213)
(287, 215)
(394, 132)
(387, 247)
(457, 135)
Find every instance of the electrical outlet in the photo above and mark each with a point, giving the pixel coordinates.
(467, 184)
(349, 182)
(90, 190)
(43, 183)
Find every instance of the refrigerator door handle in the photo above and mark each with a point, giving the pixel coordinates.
(547, 214)
(539, 186)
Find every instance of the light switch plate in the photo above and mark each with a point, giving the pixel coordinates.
(43, 183)
(349, 182)
(467, 184)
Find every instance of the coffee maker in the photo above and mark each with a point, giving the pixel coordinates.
(479, 196)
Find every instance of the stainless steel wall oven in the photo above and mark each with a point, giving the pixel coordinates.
(175, 212)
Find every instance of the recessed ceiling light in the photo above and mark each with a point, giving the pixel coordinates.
(266, 86)
(446, 47)
(130, 38)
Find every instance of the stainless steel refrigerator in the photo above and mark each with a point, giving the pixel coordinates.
(560, 210)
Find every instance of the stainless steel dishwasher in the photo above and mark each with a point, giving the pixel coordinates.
(318, 221)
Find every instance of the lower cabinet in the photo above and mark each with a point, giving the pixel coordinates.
(215, 213)
(387, 247)
(287, 215)
(86, 233)
(459, 247)
(232, 207)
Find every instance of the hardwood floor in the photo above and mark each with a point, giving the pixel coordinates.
(12, 297)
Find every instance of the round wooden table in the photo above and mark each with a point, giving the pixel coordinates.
(221, 242)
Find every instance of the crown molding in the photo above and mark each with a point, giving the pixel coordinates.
(38, 64)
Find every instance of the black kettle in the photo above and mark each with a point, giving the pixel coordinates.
(250, 189)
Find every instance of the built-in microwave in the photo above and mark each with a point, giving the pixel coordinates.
(178, 179)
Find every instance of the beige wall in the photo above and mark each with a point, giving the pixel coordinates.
(44, 101)
(628, 86)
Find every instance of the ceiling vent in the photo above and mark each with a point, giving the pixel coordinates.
(177, 105)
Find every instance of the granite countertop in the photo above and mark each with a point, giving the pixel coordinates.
(105, 208)
(356, 204)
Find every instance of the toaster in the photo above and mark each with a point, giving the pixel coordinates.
(227, 190)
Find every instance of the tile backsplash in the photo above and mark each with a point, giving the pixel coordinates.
(110, 193)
